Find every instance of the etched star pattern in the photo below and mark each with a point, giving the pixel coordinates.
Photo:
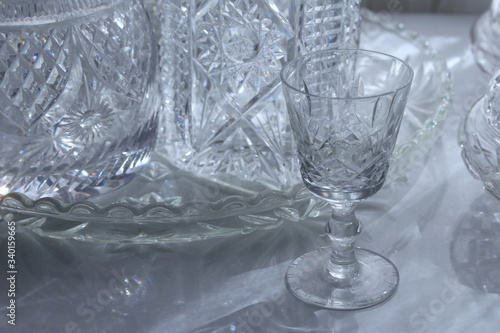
(232, 119)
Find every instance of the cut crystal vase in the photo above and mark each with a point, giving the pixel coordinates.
(79, 96)
(224, 110)
(220, 62)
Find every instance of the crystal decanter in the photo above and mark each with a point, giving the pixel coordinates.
(224, 109)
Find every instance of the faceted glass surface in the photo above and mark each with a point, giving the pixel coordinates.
(480, 137)
(322, 24)
(345, 111)
(220, 64)
(492, 101)
(79, 96)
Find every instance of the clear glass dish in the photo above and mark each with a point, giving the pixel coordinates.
(166, 205)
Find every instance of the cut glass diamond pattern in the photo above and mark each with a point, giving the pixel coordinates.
(322, 24)
(69, 90)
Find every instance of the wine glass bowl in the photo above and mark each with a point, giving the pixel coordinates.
(345, 109)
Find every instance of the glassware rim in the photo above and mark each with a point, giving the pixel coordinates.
(33, 2)
(19, 14)
(314, 54)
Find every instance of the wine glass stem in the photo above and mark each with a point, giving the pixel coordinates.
(343, 228)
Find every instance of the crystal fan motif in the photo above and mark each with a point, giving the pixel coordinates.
(225, 113)
(79, 96)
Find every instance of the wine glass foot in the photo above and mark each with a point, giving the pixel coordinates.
(308, 279)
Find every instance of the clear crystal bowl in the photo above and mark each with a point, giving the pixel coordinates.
(480, 142)
(167, 204)
(73, 74)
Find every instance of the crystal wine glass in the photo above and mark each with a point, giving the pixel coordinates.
(345, 109)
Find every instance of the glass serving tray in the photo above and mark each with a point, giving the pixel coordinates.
(166, 205)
